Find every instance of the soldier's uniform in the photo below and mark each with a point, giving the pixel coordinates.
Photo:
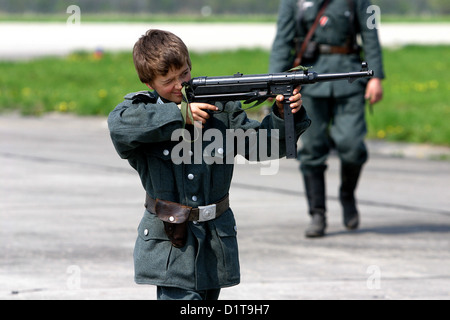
(141, 129)
(337, 109)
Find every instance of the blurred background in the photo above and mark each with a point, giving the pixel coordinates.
(69, 206)
(75, 56)
(189, 7)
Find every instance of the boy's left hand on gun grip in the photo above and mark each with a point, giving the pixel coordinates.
(295, 99)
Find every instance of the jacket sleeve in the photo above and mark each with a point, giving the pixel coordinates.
(132, 125)
(370, 40)
(282, 57)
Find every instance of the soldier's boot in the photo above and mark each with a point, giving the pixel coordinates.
(349, 180)
(315, 193)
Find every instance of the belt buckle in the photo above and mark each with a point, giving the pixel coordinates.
(325, 48)
(206, 213)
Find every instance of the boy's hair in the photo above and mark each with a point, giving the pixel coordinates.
(158, 51)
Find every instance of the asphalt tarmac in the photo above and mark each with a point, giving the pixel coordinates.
(69, 209)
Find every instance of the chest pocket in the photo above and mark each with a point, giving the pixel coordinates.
(160, 169)
(334, 26)
(338, 28)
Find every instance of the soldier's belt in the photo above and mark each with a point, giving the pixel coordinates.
(327, 49)
(176, 213)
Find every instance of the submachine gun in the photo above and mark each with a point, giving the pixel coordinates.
(259, 87)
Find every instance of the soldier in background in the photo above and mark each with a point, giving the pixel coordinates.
(337, 109)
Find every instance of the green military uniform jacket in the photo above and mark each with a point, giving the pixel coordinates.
(334, 29)
(141, 130)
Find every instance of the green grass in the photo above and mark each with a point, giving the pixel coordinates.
(79, 83)
(415, 107)
(416, 104)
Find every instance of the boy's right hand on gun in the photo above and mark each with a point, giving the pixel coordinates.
(199, 112)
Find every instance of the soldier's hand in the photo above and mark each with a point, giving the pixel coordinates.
(374, 91)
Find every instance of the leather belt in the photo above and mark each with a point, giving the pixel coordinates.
(200, 214)
(327, 49)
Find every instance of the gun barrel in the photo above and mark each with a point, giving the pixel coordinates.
(343, 76)
(263, 79)
(297, 78)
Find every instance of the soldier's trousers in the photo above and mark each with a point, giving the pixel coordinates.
(338, 121)
(172, 293)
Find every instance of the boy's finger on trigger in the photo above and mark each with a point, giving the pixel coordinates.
(212, 107)
(206, 106)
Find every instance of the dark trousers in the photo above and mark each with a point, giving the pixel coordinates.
(338, 121)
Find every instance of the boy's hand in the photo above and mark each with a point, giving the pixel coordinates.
(296, 102)
(199, 112)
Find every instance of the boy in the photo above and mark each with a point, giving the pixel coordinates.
(186, 242)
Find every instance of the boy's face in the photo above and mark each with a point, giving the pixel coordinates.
(169, 86)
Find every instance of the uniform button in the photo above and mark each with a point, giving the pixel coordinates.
(194, 198)
(190, 176)
(195, 222)
(220, 151)
(191, 153)
(235, 228)
(146, 232)
(166, 152)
